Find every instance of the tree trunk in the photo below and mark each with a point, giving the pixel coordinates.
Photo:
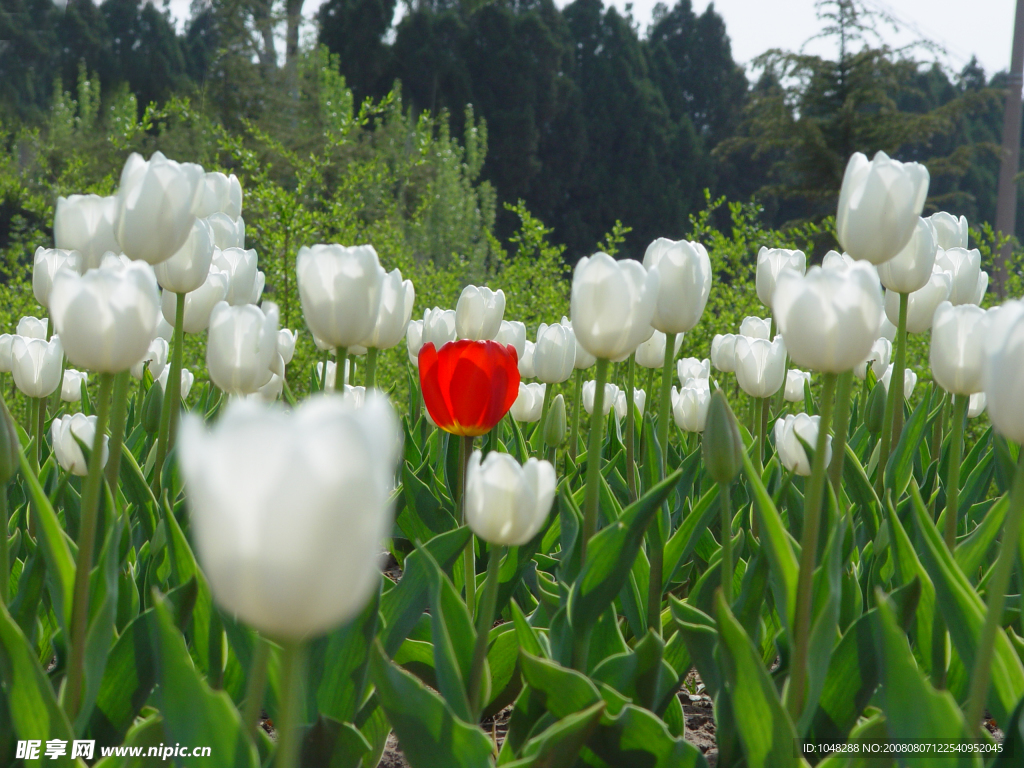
(1006, 206)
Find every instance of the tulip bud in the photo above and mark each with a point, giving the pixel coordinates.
(289, 510)
(651, 354)
(909, 270)
(691, 368)
(756, 327)
(760, 365)
(950, 232)
(507, 504)
(45, 265)
(526, 368)
(36, 365)
(478, 313)
(151, 407)
(529, 403)
(879, 205)
(723, 352)
(9, 447)
(690, 405)
(513, 332)
(829, 318)
(189, 267)
(555, 424)
(722, 444)
(554, 356)
(71, 387)
(106, 317)
(878, 358)
(964, 270)
(684, 283)
(396, 300)
(795, 381)
(85, 223)
(789, 432)
(612, 305)
(156, 200)
(242, 346)
(66, 432)
(957, 353)
(219, 194)
(874, 411)
(770, 262)
(1004, 369)
(32, 328)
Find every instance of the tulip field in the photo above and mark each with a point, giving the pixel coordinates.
(545, 546)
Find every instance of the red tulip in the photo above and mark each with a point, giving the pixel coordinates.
(468, 385)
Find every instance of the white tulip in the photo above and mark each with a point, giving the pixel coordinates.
(85, 223)
(909, 381)
(982, 289)
(651, 354)
(199, 303)
(795, 380)
(5, 352)
(690, 405)
(770, 262)
(692, 368)
(583, 358)
(240, 267)
(950, 232)
(479, 312)
(639, 400)
(156, 203)
(286, 344)
(106, 317)
(760, 365)
(396, 300)
(684, 283)
(289, 510)
(723, 352)
(756, 327)
(156, 356)
(788, 433)
(188, 269)
(921, 304)
(887, 330)
(879, 205)
(242, 346)
(964, 270)
(513, 333)
(414, 340)
(957, 355)
(611, 394)
(976, 406)
(45, 264)
(219, 193)
(829, 318)
(1003, 374)
(526, 367)
(507, 504)
(612, 305)
(227, 232)
(554, 355)
(332, 368)
(837, 260)
(66, 432)
(528, 405)
(187, 379)
(340, 290)
(438, 326)
(32, 327)
(909, 270)
(270, 391)
(878, 358)
(71, 386)
(36, 365)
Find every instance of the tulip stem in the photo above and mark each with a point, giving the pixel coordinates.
(630, 428)
(655, 534)
(762, 430)
(171, 403)
(323, 373)
(578, 398)
(956, 438)
(371, 368)
(37, 431)
(5, 562)
(118, 416)
(725, 508)
(894, 397)
(997, 585)
(808, 554)
(293, 659)
(86, 545)
(469, 553)
(538, 435)
(339, 370)
(594, 458)
(484, 619)
(256, 686)
(842, 422)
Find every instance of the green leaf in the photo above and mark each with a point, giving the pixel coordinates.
(194, 713)
(636, 737)
(641, 674)
(423, 516)
(330, 744)
(430, 733)
(502, 662)
(453, 636)
(340, 661)
(701, 638)
(964, 613)
(559, 690)
(681, 544)
(560, 744)
(765, 729)
(402, 606)
(33, 707)
(1013, 744)
(610, 556)
(900, 467)
(127, 682)
(972, 550)
(143, 735)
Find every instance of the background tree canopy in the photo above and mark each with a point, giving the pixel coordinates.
(587, 119)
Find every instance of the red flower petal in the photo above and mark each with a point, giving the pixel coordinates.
(433, 396)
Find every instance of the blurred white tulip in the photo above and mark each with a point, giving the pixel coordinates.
(651, 354)
(770, 262)
(242, 346)
(71, 386)
(85, 223)
(189, 267)
(66, 432)
(878, 358)
(36, 365)
(396, 300)
(156, 356)
(788, 433)
(611, 394)
(795, 380)
(45, 264)
(909, 270)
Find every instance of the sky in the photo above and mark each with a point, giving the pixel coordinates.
(983, 28)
